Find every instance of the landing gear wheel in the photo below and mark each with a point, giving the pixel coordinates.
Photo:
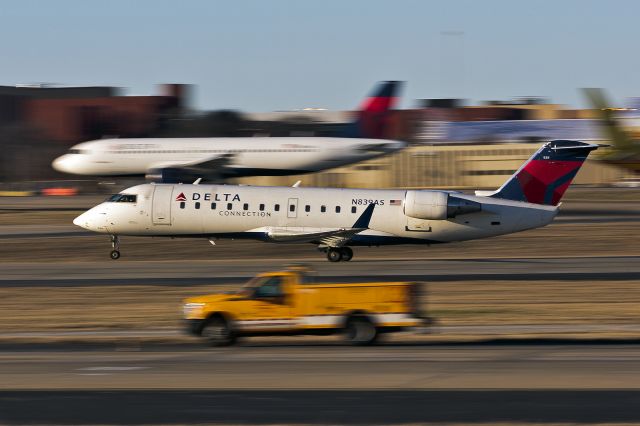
(115, 246)
(360, 331)
(218, 333)
(334, 255)
(346, 254)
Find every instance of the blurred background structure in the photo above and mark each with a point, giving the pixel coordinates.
(452, 144)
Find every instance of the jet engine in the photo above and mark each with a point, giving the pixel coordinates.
(437, 205)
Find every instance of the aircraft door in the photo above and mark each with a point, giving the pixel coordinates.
(292, 208)
(161, 207)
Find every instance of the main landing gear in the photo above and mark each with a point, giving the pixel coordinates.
(337, 254)
(115, 245)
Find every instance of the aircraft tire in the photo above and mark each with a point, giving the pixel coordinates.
(334, 255)
(115, 254)
(360, 331)
(218, 332)
(346, 254)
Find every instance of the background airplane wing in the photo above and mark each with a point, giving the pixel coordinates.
(210, 169)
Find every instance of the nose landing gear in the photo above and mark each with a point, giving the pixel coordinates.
(337, 254)
(115, 245)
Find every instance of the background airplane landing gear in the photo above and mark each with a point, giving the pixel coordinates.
(115, 245)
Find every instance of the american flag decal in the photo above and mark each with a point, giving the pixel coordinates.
(395, 202)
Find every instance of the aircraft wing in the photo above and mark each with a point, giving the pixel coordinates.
(324, 237)
(211, 168)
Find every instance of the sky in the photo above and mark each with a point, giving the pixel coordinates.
(275, 55)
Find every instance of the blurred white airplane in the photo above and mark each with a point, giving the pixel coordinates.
(186, 159)
(335, 219)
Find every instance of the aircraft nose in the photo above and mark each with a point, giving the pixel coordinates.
(94, 220)
(61, 164)
(81, 220)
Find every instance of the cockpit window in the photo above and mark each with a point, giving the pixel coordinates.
(122, 198)
(77, 151)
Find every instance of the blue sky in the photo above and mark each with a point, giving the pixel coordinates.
(288, 54)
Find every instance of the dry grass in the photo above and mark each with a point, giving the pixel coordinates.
(454, 303)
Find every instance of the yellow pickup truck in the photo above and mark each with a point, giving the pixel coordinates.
(290, 303)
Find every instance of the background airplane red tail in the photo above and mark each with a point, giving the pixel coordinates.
(374, 112)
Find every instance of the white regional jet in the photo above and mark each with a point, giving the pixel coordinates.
(185, 159)
(335, 219)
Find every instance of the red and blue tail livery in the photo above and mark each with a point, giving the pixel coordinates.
(375, 111)
(548, 173)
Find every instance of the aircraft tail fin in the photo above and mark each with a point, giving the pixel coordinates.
(372, 121)
(612, 129)
(545, 177)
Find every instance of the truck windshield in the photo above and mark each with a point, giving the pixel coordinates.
(122, 198)
(260, 287)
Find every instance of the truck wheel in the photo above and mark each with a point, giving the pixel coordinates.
(217, 332)
(360, 331)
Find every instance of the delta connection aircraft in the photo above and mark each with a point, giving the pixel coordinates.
(335, 219)
(185, 159)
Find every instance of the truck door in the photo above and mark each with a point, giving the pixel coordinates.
(292, 208)
(161, 206)
(272, 307)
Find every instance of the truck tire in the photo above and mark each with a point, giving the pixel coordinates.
(360, 331)
(218, 332)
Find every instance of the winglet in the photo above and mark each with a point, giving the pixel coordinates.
(365, 218)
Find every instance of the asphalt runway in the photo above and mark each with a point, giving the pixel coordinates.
(323, 384)
(363, 269)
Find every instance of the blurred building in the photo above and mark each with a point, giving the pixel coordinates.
(40, 122)
(73, 114)
(439, 166)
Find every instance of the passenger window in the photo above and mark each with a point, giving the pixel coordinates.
(307, 209)
(261, 207)
(182, 204)
(323, 209)
(277, 207)
(353, 209)
(213, 206)
(229, 206)
(337, 209)
(292, 208)
(197, 205)
(245, 206)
